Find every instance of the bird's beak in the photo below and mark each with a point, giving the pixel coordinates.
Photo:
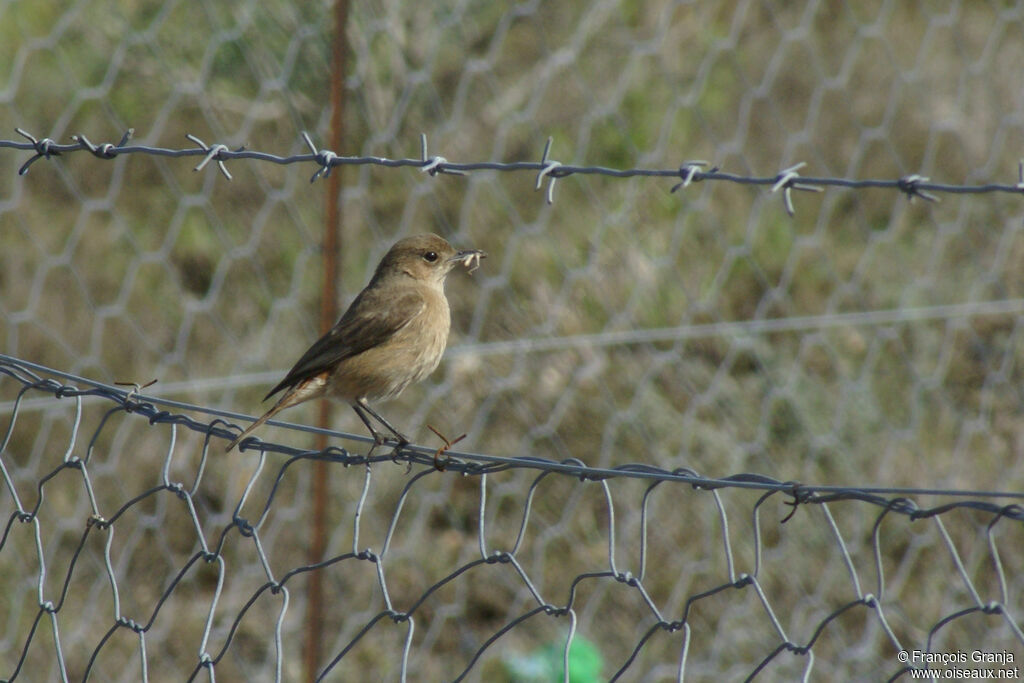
(470, 258)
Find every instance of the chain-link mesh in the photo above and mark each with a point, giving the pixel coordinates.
(528, 552)
(866, 342)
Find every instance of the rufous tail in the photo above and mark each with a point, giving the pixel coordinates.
(266, 416)
(303, 391)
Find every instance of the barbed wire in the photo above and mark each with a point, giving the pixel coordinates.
(688, 172)
(214, 552)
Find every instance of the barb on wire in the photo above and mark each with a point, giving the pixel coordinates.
(326, 158)
(214, 152)
(439, 464)
(548, 167)
(800, 496)
(911, 186)
(436, 164)
(787, 182)
(690, 172)
(44, 149)
(105, 150)
(129, 398)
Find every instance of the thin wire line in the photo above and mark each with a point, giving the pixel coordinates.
(606, 339)
(744, 328)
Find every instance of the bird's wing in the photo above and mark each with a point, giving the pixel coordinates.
(371, 320)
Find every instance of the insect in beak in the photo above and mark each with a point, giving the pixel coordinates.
(470, 258)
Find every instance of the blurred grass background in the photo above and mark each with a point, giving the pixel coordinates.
(141, 268)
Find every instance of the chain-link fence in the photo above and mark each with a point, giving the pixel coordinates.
(666, 572)
(866, 346)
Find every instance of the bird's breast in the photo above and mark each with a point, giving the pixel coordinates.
(408, 356)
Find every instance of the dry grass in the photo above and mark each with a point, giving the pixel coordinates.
(142, 268)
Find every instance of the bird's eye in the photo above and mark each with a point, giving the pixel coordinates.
(430, 256)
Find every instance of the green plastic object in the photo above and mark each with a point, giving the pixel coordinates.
(545, 663)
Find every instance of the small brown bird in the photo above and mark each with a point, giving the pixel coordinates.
(392, 335)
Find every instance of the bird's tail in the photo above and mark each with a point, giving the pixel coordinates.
(303, 391)
(266, 416)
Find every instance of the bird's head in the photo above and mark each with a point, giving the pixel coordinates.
(428, 258)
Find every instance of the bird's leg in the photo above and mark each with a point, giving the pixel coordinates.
(360, 406)
(378, 438)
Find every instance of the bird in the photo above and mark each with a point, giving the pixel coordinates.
(392, 335)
